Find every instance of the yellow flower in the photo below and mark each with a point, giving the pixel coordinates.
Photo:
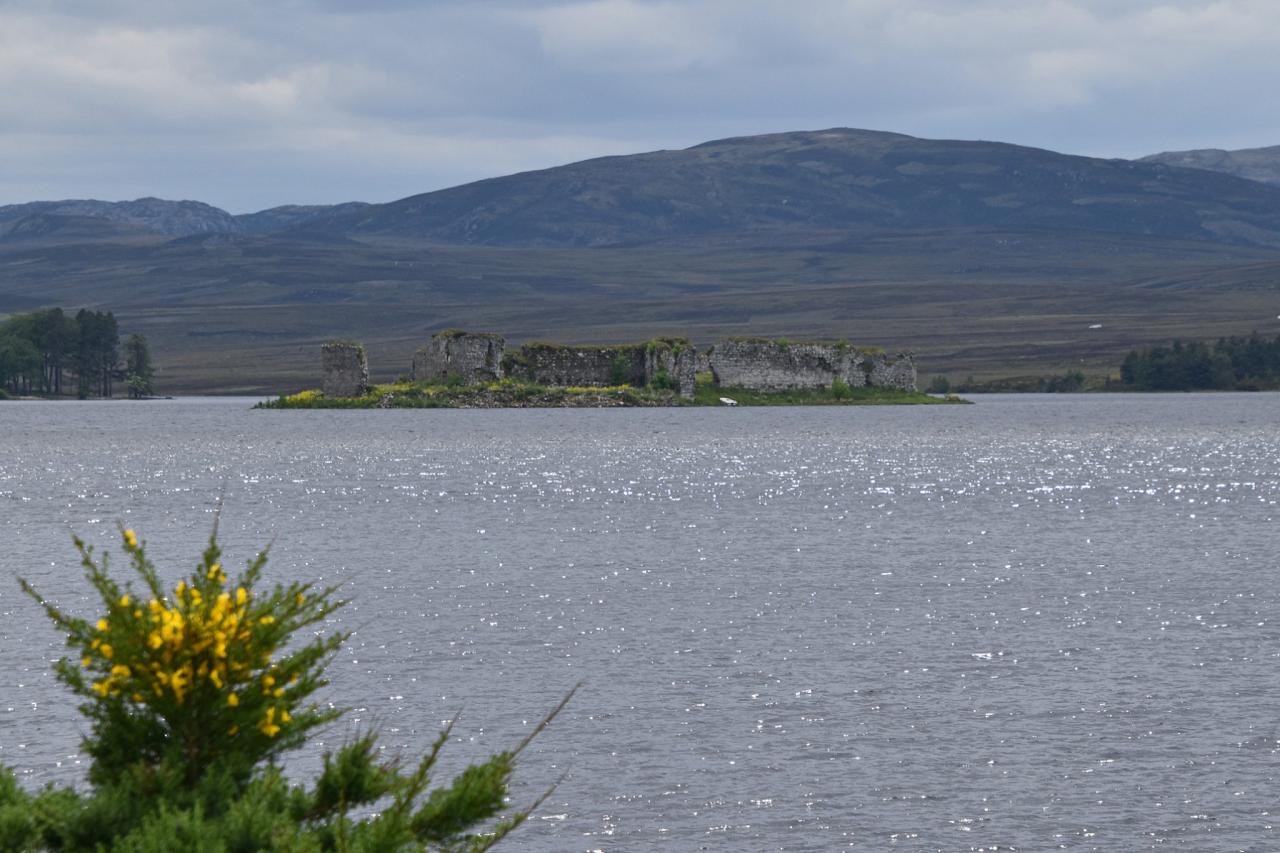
(268, 681)
(278, 692)
(267, 726)
(102, 625)
(106, 651)
(266, 620)
(85, 662)
(130, 539)
(233, 700)
(124, 601)
(241, 595)
(121, 670)
(102, 687)
(301, 599)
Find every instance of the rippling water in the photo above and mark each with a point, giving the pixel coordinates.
(1032, 623)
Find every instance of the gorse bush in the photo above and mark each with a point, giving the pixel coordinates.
(192, 694)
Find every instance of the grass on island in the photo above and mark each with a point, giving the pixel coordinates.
(707, 393)
(510, 393)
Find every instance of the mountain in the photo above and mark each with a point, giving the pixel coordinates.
(838, 179)
(153, 216)
(1254, 164)
(985, 258)
(69, 229)
(291, 216)
(769, 187)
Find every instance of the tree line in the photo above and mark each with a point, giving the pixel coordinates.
(53, 352)
(1238, 363)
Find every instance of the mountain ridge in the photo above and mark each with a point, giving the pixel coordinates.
(836, 178)
(833, 178)
(1254, 164)
(164, 217)
(985, 258)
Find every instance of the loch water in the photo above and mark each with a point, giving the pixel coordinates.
(1034, 623)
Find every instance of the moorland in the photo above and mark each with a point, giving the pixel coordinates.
(985, 259)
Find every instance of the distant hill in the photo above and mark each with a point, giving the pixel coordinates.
(1254, 164)
(291, 216)
(780, 184)
(151, 216)
(68, 229)
(986, 258)
(833, 179)
(171, 218)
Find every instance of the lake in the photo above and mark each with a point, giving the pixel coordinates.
(1038, 622)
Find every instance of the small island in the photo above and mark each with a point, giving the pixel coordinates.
(459, 369)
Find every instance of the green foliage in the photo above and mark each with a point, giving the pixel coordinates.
(840, 389)
(515, 364)
(193, 694)
(662, 380)
(1068, 383)
(97, 351)
(939, 385)
(463, 333)
(707, 393)
(515, 393)
(37, 350)
(619, 369)
(138, 370)
(677, 345)
(1236, 363)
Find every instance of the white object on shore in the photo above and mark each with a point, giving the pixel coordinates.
(728, 401)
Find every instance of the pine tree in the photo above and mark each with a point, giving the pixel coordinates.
(138, 370)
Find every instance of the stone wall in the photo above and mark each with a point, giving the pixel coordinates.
(470, 356)
(345, 370)
(579, 366)
(676, 359)
(751, 363)
(668, 361)
(893, 371)
(762, 365)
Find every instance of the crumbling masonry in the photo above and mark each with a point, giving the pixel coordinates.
(756, 364)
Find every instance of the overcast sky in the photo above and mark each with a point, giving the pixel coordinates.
(248, 105)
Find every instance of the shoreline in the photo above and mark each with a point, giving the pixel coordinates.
(512, 395)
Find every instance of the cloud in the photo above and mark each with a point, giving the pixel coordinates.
(627, 36)
(247, 105)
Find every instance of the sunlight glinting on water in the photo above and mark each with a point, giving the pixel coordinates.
(1033, 623)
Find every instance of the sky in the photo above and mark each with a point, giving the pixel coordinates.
(248, 105)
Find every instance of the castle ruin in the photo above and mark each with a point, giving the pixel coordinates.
(755, 364)
(346, 370)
